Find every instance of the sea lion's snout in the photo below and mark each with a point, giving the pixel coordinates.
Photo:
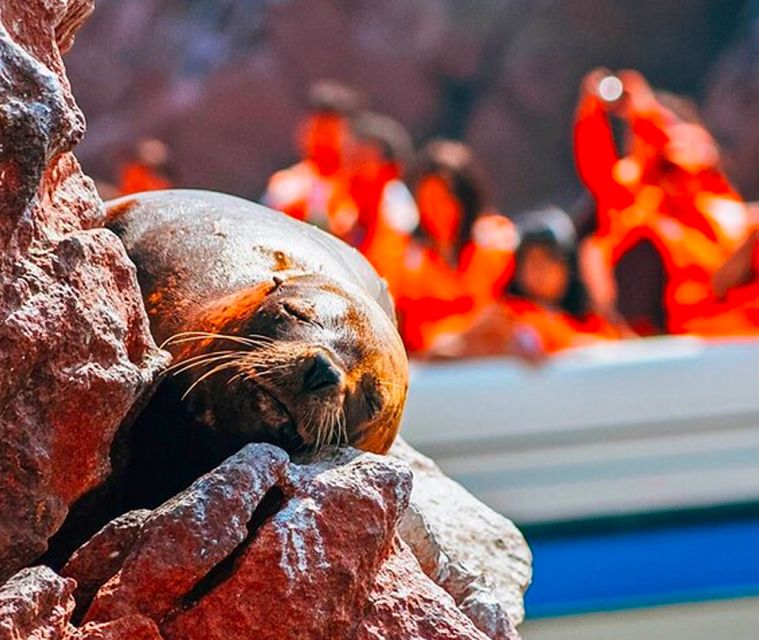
(320, 373)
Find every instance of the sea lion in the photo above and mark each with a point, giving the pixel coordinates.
(280, 332)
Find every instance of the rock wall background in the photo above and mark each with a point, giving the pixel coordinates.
(75, 350)
(223, 82)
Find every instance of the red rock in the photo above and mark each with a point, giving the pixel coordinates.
(75, 351)
(93, 564)
(406, 605)
(36, 603)
(476, 555)
(259, 548)
(182, 541)
(134, 627)
(307, 573)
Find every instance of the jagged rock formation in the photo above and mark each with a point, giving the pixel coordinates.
(75, 351)
(264, 548)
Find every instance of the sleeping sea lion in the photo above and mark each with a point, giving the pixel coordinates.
(280, 332)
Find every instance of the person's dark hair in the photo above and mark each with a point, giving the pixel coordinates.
(333, 97)
(455, 163)
(552, 228)
(389, 135)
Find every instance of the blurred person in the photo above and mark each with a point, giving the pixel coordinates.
(387, 212)
(666, 216)
(317, 189)
(461, 256)
(148, 170)
(546, 294)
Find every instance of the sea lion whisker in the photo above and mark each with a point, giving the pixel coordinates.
(206, 361)
(189, 336)
(187, 339)
(202, 356)
(334, 427)
(261, 337)
(308, 425)
(239, 376)
(342, 421)
(325, 431)
(217, 369)
(276, 369)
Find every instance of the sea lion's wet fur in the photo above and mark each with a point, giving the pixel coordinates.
(251, 304)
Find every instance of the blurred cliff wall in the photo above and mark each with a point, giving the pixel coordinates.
(223, 81)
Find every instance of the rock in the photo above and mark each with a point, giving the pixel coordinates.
(406, 605)
(75, 350)
(478, 556)
(181, 542)
(259, 547)
(307, 572)
(127, 628)
(264, 548)
(93, 564)
(36, 604)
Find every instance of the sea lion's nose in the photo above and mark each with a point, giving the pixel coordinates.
(320, 373)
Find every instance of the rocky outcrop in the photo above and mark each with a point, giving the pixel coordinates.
(75, 352)
(264, 548)
(476, 555)
(405, 605)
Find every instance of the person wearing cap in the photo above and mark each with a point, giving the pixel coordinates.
(317, 189)
(546, 295)
(668, 194)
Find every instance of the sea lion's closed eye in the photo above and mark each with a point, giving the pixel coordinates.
(302, 313)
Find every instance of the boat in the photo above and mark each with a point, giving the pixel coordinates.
(632, 467)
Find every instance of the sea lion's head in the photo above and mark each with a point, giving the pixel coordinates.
(304, 362)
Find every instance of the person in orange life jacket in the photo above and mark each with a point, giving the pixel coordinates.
(387, 212)
(546, 296)
(148, 170)
(316, 189)
(461, 254)
(736, 286)
(668, 194)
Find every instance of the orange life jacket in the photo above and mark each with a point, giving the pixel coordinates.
(434, 297)
(690, 259)
(694, 231)
(136, 178)
(556, 330)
